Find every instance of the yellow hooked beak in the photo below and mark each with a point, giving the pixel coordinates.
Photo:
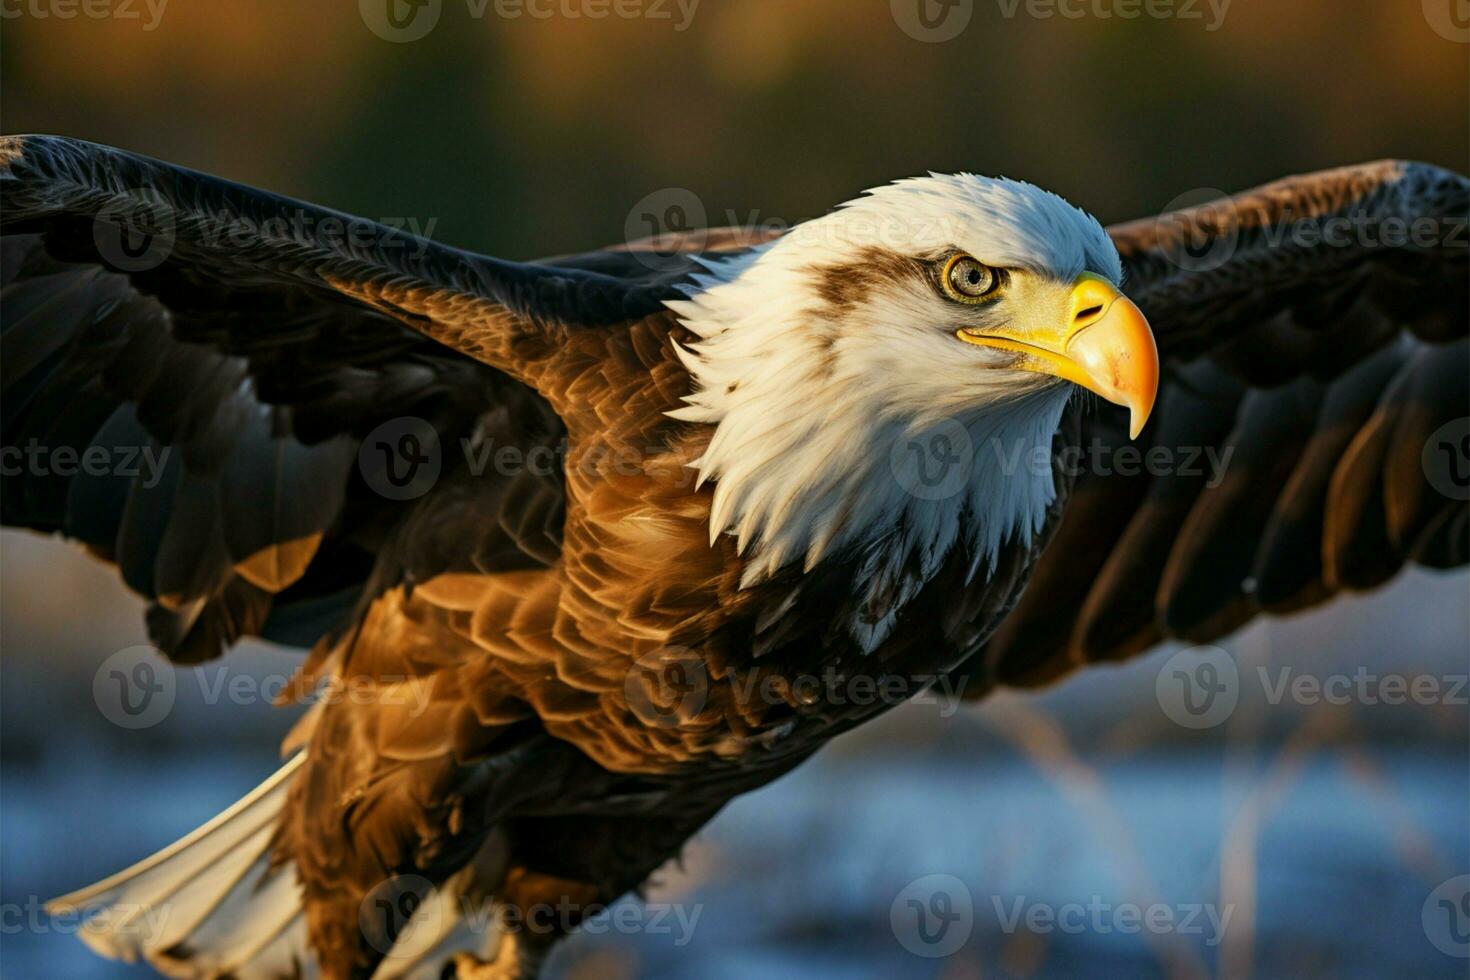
(1104, 344)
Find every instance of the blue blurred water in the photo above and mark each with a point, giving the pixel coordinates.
(1321, 828)
(797, 880)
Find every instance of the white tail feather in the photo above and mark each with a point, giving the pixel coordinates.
(436, 931)
(209, 904)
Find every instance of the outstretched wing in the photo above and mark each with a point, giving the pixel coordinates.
(190, 369)
(1311, 434)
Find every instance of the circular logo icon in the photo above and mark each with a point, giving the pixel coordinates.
(934, 464)
(401, 459)
(1446, 459)
(1198, 687)
(135, 687)
(667, 687)
(933, 916)
(401, 914)
(400, 21)
(134, 234)
(671, 211)
(932, 21)
(1446, 917)
(1450, 19)
(1199, 240)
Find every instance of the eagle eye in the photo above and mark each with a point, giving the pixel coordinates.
(968, 280)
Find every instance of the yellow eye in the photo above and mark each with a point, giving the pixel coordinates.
(968, 280)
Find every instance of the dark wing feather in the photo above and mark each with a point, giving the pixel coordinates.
(1313, 334)
(249, 345)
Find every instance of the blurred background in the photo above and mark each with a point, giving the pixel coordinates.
(1299, 837)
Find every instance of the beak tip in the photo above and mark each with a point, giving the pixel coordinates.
(1139, 411)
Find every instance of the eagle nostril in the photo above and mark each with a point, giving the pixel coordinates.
(1089, 313)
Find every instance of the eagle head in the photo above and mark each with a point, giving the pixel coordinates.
(948, 304)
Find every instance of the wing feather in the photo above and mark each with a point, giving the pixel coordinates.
(1313, 329)
(226, 375)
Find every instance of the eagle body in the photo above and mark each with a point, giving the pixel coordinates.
(693, 506)
(734, 682)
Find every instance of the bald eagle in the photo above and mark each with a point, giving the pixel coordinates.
(885, 445)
